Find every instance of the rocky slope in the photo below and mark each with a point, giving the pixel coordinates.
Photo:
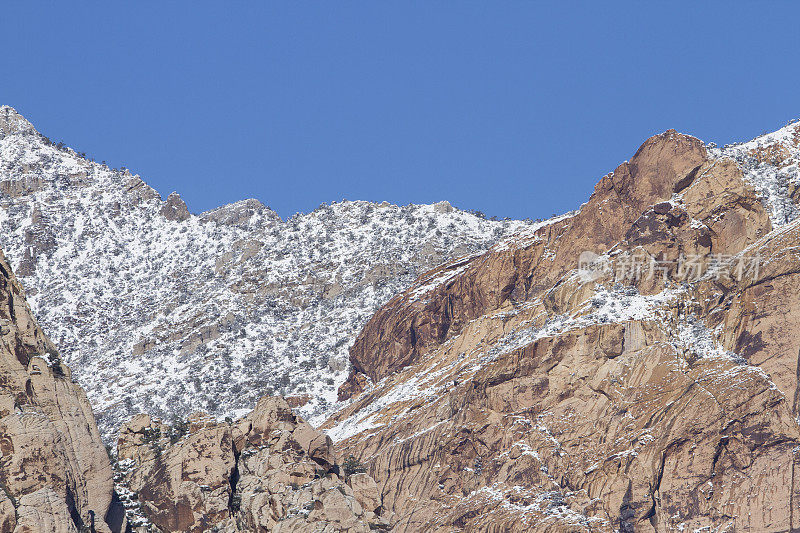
(161, 311)
(55, 474)
(633, 367)
(269, 471)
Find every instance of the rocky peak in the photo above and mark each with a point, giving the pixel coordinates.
(656, 167)
(175, 208)
(651, 389)
(457, 293)
(240, 213)
(12, 122)
(443, 207)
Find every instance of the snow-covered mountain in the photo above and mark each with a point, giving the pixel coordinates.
(161, 311)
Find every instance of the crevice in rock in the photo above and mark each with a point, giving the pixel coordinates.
(599, 391)
(654, 498)
(657, 485)
(12, 315)
(797, 389)
(723, 442)
(627, 512)
(767, 279)
(115, 516)
(73, 510)
(233, 503)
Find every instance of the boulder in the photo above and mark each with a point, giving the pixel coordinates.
(365, 491)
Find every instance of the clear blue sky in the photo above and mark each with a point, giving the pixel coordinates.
(512, 108)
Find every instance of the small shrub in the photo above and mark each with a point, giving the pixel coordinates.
(150, 436)
(178, 429)
(352, 466)
(54, 358)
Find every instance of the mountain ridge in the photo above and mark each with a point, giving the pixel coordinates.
(551, 384)
(630, 366)
(160, 310)
(654, 388)
(15, 123)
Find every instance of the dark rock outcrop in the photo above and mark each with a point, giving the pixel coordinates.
(175, 208)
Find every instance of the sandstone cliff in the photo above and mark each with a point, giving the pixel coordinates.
(655, 388)
(54, 470)
(269, 471)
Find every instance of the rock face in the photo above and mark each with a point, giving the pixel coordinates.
(54, 470)
(448, 298)
(633, 367)
(175, 208)
(269, 471)
(12, 123)
(161, 311)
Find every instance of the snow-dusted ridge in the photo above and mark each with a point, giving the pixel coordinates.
(770, 163)
(161, 311)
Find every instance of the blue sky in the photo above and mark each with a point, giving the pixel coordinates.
(512, 108)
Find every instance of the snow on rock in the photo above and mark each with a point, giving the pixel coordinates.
(770, 164)
(164, 312)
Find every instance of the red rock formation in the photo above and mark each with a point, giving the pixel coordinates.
(408, 326)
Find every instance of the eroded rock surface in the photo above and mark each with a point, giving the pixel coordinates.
(654, 389)
(269, 471)
(457, 293)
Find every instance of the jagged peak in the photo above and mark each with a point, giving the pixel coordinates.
(174, 208)
(238, 212)
(11, 122)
